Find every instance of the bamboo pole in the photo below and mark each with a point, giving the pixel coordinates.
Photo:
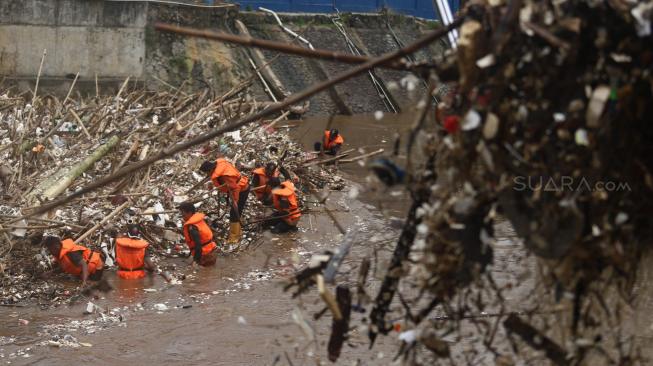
(103, 221)
(71, 89)
(79, 120)
(132, 149)
(156, 212)
(63, 178)
(361, 157)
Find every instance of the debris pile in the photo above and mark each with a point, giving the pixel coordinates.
(546, 124)
(51, 148)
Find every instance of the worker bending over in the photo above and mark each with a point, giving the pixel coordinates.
(287, 213)
(331, 143)
(132, 255)
(228, 179)
(75, 259)
(198, 236)
(261, 189)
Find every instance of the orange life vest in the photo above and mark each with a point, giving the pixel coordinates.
(130, 256)
(328, 144)
(206, 235)
(263, 181)
(92, 259)
(287, 190)
(234, 181)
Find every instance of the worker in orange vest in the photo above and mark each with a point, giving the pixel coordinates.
(260, 181)
(75, 259)
(132, 255)
(198, 234)
(228, 179)
(287, 212)
(331, 143)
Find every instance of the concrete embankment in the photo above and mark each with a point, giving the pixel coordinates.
(108, 41)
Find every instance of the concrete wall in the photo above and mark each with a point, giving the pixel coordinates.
(92, 36)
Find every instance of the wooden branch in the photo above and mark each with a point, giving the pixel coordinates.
(274, 217)
(277, 46)
(361, 157)
(344, 154)
(340, 327)
(536, 339)
(547, 36)
(340, 254)
(328, 297)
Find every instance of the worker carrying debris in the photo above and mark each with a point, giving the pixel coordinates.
(284, 200)
(75, 259)
(261, 178)
(132, 254)
(198, 234)
(228, 179)
(331, 143)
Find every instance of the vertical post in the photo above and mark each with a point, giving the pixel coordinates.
(443, 10)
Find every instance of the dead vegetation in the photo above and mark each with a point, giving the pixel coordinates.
(554, 90)
(53, 148)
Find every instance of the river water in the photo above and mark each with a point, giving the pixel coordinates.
(237, 312)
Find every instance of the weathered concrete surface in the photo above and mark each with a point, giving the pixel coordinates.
(112, 52)
(88, 37)
(114, 40)
(111, 40)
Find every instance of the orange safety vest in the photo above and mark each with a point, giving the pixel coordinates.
(287, 190)
(263, 181)
(130, 256)
(206, 235)
(234, 181)
(328, 144)
(93, 259)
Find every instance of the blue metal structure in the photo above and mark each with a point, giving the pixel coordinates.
(420, 8)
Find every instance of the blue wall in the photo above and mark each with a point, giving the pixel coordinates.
(420, 8)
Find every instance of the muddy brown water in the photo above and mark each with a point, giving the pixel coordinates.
(365, 133)
(237, 313)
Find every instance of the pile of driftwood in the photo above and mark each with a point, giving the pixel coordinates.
(52, 149)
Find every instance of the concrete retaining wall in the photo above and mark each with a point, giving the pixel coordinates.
(89, 37)
(110, 39)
